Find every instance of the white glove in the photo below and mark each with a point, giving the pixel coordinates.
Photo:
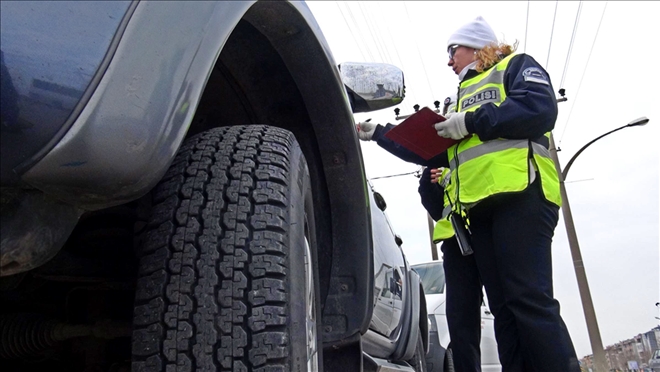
(453, 127)
(366, 130)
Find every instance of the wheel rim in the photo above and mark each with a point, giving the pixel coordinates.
(310, 306)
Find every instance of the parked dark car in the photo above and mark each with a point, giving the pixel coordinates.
(183, 189)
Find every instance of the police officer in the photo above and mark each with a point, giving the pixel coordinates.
(507, 186)
(463, 286)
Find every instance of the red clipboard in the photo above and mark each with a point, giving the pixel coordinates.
(418, 135)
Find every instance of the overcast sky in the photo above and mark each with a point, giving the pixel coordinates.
(610, 80)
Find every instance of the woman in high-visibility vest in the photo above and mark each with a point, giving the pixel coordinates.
(463, 289)
(506, 184)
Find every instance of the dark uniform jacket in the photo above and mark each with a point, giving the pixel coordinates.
(529, 111)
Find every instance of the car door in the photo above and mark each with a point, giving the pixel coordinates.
(396, 287)
(382, 315)
(390, 285)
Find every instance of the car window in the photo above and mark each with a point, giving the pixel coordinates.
(432, 276)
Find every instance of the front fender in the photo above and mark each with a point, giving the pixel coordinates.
(126, 136)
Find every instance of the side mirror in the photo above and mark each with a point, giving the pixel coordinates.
(372, 86)
(380, 201)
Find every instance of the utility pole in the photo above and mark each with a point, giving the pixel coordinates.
(434, 248)
(578, 265)
(599, 358)
(583, 286)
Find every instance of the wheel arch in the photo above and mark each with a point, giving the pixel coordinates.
(261, 76)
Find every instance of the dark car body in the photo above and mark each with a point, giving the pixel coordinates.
(97, 100)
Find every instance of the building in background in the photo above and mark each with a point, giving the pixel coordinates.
(629, 355)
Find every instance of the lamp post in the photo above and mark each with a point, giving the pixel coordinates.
(434, 247)
(635, 123)
(600, 363)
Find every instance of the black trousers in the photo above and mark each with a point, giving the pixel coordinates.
(463, 307)
(511, 239)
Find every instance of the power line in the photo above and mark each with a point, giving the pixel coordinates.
(552, 32)
(379, 34)
(570, 46)
(396, 50)
(350, 13)
(568, 57)
(583, 73)
(395, 175)
(368, 22)
(351, 31)
(526, 24)
(426, 75)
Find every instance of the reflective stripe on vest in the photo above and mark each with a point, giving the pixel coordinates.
(494, 146)
(451, 107)
(446, 210)
(449, 190)
(481, 169)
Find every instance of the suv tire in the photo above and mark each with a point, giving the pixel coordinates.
(227, 277)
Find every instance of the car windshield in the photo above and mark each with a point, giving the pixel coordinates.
(433, 277)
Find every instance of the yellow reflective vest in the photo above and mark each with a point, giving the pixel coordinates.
(443, 229)
(482, 169)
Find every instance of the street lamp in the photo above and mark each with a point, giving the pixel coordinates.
(637, 122)
(600, 363)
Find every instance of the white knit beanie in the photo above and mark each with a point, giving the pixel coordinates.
(475, 34)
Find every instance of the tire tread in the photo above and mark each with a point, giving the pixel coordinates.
(211, 292)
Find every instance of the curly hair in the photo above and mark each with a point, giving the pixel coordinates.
(489, 55)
